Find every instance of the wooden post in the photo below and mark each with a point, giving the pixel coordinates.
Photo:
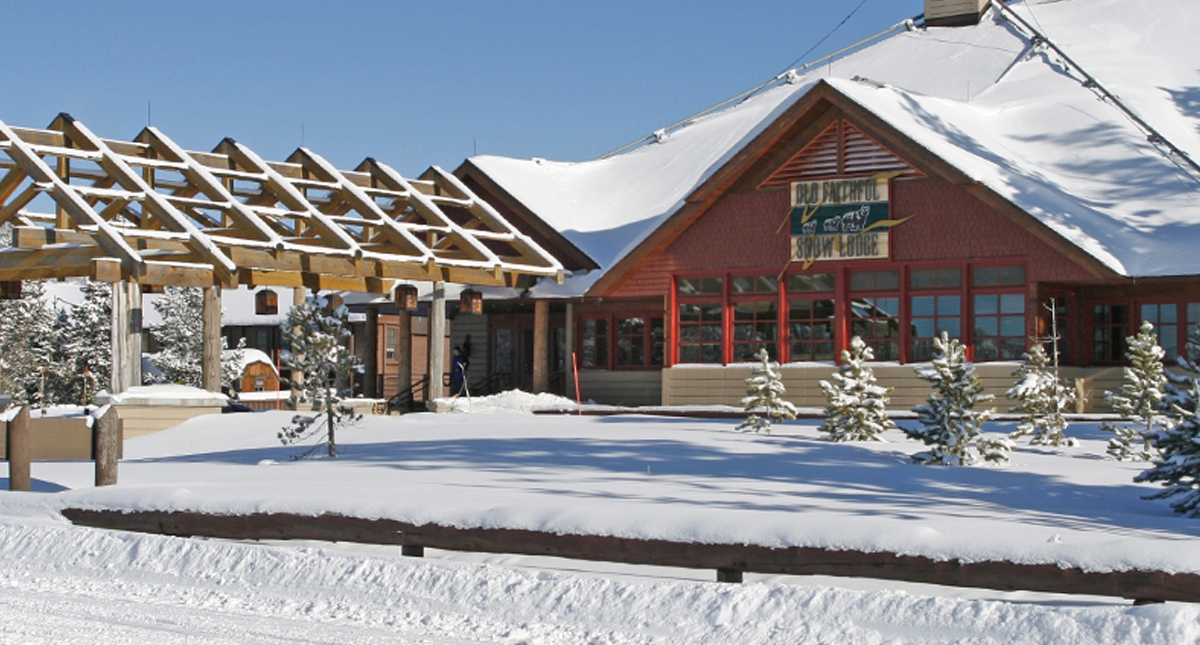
(121, 378)
(437, 343)
(210, 361)
(299, 295)
(372, 384)
(404, 351)
(106, 446)
(569, 341)
(18, 452)
(135, 334)
(729, 575)
(541, 346)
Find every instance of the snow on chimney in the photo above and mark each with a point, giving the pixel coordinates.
(954, 13)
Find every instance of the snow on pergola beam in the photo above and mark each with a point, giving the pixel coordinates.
(149, 211)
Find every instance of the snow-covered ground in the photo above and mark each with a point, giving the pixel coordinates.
(680, 479)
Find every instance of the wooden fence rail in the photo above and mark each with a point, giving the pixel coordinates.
(729, 560)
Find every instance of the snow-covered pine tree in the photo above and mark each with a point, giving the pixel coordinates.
(764, 394)
(949, 421)
(88, 341)
(29, 340)
(232, 362)
(317, 334)
(1041, 397)
(855, 408)
(1140, 398)
(1177, 441)
(180, 337)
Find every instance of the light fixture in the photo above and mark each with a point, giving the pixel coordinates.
(406, 297)
(470, 302)
(266, 303)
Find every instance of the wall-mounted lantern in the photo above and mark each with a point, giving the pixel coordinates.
(406, 297)
(470, 302)
(10, 290)
(332, 302)
(266, 303)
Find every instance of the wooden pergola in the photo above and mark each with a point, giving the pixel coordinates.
(148, 212)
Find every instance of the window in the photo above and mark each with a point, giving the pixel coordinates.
(266, 303)
(944, 278)
(1110, 325)
(874, 280)
(754, 327)
(621, 341)
(811, 316)
(930, 316)
(877, 322)
(701, 319)
(755, 308)
(700, 333)
(1165, 319)
(594, 342)
(389, 347)
(999, 326)
(810, 329)
(1006, 276)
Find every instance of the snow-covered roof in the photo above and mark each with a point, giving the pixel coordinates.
(249, 356)
(986, 99)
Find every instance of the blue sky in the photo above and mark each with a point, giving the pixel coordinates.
(410, 83)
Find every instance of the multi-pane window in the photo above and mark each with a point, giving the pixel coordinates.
(389, 347)
(1110, 325)
(877, 321)
(931, 316)
(594, 343)
(1165, 319)
(631, 341)
(811, 316)
(754, 327)
(999, 326)
(755, 308)
(700, 333)
(701, 319)
(876, 318)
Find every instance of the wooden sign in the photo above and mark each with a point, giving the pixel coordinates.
(841, 219)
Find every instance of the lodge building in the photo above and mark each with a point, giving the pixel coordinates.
(870, 196)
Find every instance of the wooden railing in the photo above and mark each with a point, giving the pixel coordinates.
(729, 560)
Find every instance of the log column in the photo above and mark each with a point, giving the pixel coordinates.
(210, 378)
(541, 346)
(126, 336)
(18, 451)
(569, 338)
(404, 352)
(437, 343)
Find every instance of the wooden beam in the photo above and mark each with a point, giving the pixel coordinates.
(1141, 585)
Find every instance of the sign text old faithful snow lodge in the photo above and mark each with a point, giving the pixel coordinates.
(840, 219)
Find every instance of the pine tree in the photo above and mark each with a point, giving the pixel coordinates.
(232, 362)
(949, 421)
(29, 340)
(1140, 398)
(764, 392)
(1042, 397)
(856, 408)
(180, 337)
(318, 334)
(1177, 441)
(89, 341)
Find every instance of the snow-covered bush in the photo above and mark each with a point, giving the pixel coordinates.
(1140, 398)
(855, 408)
(764, 394)
(1041, 397)
(949, 421)
(1177, 441)
(318, 335)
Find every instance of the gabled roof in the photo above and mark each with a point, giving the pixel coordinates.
(151, 211)
(988, 107)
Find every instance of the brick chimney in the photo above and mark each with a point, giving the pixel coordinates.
(954, 13)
